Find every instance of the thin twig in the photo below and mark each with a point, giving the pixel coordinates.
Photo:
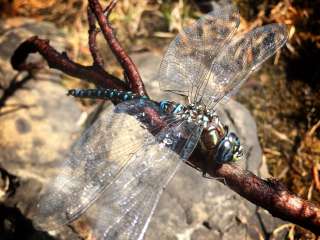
(316, 175)
(109, 8)
(93, 32)
(135, 81)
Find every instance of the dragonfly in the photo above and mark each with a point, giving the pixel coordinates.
(127, 157)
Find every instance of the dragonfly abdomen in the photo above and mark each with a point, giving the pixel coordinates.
(105, 94)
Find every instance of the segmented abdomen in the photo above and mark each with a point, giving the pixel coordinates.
(106, 94)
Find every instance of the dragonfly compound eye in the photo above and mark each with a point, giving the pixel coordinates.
(233, 138)
(228, 149)
(224, 152)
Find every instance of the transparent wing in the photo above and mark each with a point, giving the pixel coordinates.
(125, 209)
(237, 60)
(190, 54)
(96, 160)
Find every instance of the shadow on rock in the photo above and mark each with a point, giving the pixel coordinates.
(13, 225)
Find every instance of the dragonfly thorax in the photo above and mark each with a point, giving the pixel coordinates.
(200, 115)
(195, 113)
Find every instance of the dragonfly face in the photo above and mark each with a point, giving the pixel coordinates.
(122, 163)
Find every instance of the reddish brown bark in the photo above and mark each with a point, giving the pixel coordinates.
(93, 32)
(62, 62)
(271, 195)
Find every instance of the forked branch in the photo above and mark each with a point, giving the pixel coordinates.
(269, 194)
(123, 58)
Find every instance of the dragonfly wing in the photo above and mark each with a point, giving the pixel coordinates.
(192, 51)
(237, 60)
(126, 207)
(95, 161)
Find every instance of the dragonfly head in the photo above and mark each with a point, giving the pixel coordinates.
(229, 149)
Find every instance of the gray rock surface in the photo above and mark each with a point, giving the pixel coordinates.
(14, 31)
(38, 124)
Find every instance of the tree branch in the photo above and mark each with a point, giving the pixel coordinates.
(269, 194)
(63, 63)
(124, 60)
(93, 32)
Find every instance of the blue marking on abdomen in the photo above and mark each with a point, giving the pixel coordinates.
(106, 94)
(164, 105)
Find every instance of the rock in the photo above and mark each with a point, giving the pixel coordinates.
(38, 125)
(16, 30)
